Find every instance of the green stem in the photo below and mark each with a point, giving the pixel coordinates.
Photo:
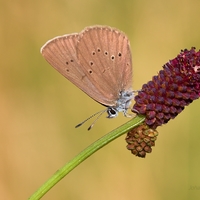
(61, 173)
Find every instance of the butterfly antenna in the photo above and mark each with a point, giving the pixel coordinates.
(96, 119)
(101, 112)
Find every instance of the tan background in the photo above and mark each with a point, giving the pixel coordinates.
(39, 108)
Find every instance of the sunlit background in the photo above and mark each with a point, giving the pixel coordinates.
(39, 108)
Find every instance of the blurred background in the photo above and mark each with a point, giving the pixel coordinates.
(39, 107)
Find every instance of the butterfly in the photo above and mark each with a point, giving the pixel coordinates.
(98, 61)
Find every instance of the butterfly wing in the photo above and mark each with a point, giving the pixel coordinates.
(98, 61)
(105, 55)
(60, 53)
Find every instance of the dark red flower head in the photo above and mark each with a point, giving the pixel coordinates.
(175, 87)
(163, 98)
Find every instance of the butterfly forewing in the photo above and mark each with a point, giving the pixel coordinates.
(105, 55)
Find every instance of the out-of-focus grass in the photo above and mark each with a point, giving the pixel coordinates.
(39, 108)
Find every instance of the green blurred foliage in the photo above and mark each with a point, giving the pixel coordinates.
(39, 108)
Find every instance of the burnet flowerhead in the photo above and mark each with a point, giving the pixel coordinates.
(164, 97)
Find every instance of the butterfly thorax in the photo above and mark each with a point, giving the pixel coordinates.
(122, 104)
